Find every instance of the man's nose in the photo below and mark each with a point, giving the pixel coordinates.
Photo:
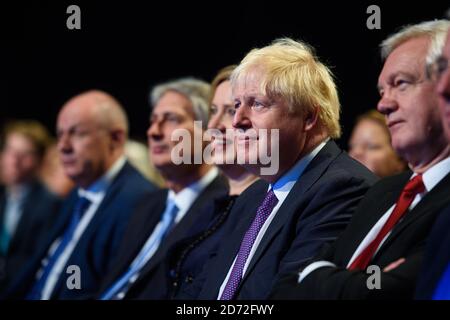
(241, 119)
(387, 104)
(64, 145)
(154, 131)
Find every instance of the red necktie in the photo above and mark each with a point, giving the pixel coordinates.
(412, 188)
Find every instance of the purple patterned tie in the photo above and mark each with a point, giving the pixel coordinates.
(264, 210)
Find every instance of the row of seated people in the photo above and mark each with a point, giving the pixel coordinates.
(307, 224)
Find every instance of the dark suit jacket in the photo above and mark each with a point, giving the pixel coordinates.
(141, 227)
(407, 240)
(436, 258)
(98, 245)
(186, 260)
(40, 209)
(316, 210)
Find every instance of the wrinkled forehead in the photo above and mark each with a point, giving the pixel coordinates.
(173, 102)
(408, 58)
(446, 51)
(250, 81)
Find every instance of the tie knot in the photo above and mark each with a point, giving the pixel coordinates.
(266, 207)
(82, 205)
(170, 212)
(414, 186)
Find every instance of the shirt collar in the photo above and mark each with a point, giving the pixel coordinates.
(97, 190)
(187, 196)
(283, 186)
(435, 174)
(20, 193)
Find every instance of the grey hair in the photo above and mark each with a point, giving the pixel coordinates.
(195, 90)
(436, 30)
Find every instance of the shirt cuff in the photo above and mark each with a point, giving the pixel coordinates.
(312, 267)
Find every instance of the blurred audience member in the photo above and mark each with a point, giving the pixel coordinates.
(92, 129)
(171, 213)
(52, 173)
(179, 276)
(138, 155)
(370, 144)
(27, 208)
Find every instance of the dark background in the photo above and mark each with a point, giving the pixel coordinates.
(125, 47)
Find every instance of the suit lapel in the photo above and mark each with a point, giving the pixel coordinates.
(364, 221)
(435, 200)
(246, 207)
(141, 226)
(28, 217)
(311, 174)
(214, 190)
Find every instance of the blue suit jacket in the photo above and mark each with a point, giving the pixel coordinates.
(316, 211)
(40, 211)
(98, 245)
(151, 284)
(437, 256)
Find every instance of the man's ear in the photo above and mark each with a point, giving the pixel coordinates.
(117, 137)
(311, 118)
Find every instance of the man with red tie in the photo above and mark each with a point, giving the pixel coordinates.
(390, 226)
(434, 281)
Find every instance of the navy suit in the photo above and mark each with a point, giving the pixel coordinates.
(316, 211)
(437, 256)
(186, 260)
(97, 247)
(151, 284)
(40, 209)
(407, 240)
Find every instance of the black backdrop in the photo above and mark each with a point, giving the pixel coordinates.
(125, 47)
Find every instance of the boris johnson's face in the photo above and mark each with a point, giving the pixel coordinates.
(256, 111)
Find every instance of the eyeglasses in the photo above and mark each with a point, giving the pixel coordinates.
(437, 68)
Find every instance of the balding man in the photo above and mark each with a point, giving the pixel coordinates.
(92, 129)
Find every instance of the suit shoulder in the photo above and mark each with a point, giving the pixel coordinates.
(46, 195)
(395, 182)
(257, 187)
(136, 181)
(351, 167)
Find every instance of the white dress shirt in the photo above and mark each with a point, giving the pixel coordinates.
(281, 188)
(430, 178)
(95, 194)
(14, 209)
